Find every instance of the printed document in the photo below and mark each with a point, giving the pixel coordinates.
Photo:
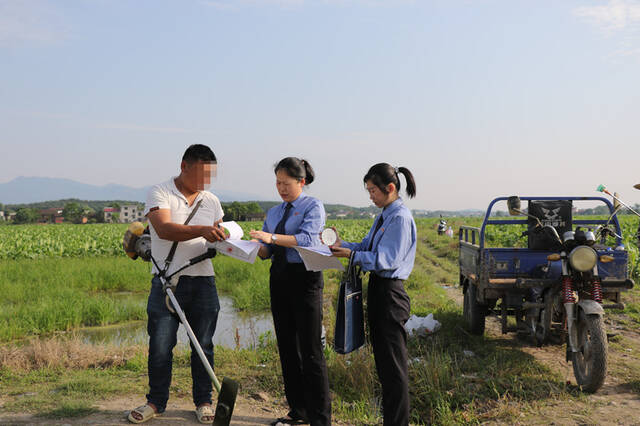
(235, 246)
(319, 258)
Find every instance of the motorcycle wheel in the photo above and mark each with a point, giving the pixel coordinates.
(590, 362)
(543, 327)
(473, 312)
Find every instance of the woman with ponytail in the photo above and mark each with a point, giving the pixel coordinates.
(388, 252)
(296, 294)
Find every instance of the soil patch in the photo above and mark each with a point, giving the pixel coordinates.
(248, 411)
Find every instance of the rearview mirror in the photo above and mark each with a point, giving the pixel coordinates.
(513, 204)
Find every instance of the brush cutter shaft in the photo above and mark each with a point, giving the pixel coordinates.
(627, 206)
(210, 253)
(622, 202)
(193, 339)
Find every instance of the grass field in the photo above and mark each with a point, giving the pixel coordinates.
(455, 378)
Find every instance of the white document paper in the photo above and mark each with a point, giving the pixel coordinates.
(235, 231)
(319, 258)
(235, 246)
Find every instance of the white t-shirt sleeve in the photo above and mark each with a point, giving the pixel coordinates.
(156, 199)
(217, 209)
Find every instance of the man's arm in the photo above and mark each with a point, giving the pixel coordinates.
(167, 230)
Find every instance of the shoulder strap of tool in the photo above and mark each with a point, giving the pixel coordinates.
(172, 251)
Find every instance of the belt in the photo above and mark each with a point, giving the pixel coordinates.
(379, 277)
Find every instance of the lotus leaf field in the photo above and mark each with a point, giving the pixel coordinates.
(38, 241)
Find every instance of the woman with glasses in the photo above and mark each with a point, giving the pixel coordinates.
(296, 294)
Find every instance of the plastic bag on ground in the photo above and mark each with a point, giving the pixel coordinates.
(421, 326)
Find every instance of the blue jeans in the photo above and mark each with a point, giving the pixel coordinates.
(198, 298)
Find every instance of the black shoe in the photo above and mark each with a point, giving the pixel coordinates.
(289, 421)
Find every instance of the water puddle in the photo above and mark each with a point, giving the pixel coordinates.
(234, 330)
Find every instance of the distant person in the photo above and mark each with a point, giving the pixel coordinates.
(296, 294)
(388, 253)
(168, 206)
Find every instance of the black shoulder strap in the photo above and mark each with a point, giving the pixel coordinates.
(172, 251)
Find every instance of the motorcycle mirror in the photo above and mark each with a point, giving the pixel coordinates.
(513, 204)
(637, 186)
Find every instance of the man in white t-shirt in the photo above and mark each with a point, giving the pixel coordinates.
(167, 208)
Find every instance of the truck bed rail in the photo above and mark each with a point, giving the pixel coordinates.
(464, 232)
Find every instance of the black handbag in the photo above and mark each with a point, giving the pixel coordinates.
(349, 330)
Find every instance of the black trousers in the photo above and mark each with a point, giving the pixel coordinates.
(296, 305)
(388, 311)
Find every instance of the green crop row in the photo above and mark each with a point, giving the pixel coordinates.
(42, 241)
(37, 241)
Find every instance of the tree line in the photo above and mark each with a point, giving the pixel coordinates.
(74, 211)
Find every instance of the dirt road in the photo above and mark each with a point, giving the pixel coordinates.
(616, 403)
(248, 411)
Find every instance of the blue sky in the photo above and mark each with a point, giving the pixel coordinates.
(478, 98)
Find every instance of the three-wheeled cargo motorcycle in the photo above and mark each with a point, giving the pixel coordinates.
(560, 285)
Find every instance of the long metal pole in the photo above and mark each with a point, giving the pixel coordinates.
(193, 339)
(621, 202)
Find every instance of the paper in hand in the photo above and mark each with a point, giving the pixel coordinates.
(235, 246)
(319, 258)
(233, 230)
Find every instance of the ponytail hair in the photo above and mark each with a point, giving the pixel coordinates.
(296, 168)
(382, 174)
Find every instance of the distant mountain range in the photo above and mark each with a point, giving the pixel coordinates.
(36, 191)
(23, 190)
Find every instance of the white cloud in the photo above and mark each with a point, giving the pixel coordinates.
(617, 15)
(618, 20)
(29, 22)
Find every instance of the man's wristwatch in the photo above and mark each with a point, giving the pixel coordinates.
(273, 238)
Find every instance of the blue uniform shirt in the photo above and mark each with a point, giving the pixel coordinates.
(394, 245)
(305, 222)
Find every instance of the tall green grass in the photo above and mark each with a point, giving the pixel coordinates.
(45, 295)
(40, 296)
(247, 285)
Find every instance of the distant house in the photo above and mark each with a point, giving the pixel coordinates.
(2, 215)
(107, 212)
(126, 213)
(131, 213)
(51, 215)
(10, 215)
